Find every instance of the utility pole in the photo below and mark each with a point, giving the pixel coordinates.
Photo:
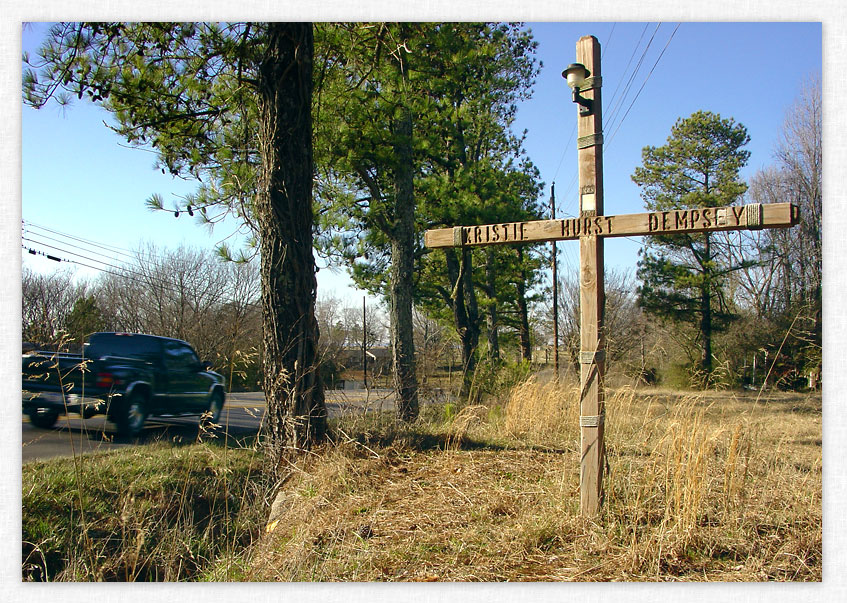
(555, 288)
(365, 341)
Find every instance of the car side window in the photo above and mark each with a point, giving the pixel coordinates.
(180, 357)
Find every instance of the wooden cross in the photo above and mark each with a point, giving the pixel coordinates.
(591, 228)
(709, 219)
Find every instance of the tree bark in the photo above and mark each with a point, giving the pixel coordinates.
(706, 314)
(492, 322)
(464, 318)
(523, 311)
(296, 413)
(402, 267)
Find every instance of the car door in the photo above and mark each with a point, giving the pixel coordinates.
(187, 388)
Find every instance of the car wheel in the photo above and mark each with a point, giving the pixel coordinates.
(133, 415)
(216, 404)
(43, 418)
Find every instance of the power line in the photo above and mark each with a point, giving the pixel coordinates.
(572, 184)
(133, 255)
(645, 82)
(609, 39)
(616, 108)
(626, 93)
(104, 246)
(32, 225)
(128, 274)
(625, 69)
(123, 271)
(55, 240)
(78, 263)
(90, 259)
(564, 151)
(41, 253)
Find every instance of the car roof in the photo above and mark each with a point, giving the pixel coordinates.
(125, 334)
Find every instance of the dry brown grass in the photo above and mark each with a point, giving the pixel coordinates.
(706, 486)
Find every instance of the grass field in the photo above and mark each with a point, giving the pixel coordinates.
(714, 486)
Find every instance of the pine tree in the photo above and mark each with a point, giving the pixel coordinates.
(683, 275)
(200, 94)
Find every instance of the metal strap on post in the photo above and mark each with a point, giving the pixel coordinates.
(458, 238)
(592, 140)
(592, 420)
(755, 216)
(592, 357)
(591, 82)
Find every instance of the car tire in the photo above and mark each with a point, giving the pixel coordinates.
(132, 415)
(43, 418)
(216, 404)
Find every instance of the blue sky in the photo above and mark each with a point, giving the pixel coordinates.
(748, 71)
(78, 178)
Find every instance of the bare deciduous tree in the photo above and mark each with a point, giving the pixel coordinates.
(781, 290)
(46, 302)
(191, 295)
(435, 343)
(624, 323)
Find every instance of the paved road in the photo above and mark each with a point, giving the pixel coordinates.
(241, 419)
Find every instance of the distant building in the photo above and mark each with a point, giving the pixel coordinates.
(379, 358)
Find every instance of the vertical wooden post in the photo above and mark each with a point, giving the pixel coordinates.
(555, 288)
(753, 383)
(365, 341)
(592, 286)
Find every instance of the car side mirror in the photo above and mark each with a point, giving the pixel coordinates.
(205, 365)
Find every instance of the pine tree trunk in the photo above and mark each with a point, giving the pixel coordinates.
(706, 315)
(706, 333)
(466, 322)
(492, 321)
(523, 311)
(402, 266)
(523, 316)
(296, 413)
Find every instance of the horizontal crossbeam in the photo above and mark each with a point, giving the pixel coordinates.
(745, 217)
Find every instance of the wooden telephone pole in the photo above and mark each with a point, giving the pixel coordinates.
(592, 355)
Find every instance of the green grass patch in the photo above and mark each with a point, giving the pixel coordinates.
(153, 513)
